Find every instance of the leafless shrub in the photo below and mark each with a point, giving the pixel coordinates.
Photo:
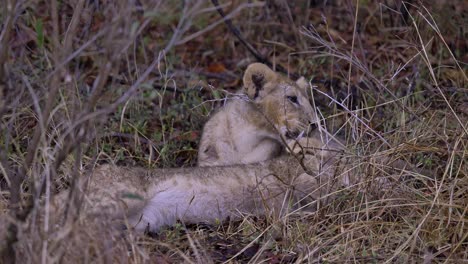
(65, 109)
(385, 77)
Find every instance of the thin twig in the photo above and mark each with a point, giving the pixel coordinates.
(215, 24)
(7, 254)
(246, 44)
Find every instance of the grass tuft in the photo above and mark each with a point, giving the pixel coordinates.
(84, 83)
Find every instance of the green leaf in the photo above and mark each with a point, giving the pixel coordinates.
(132, 196)
(134, 28)
(40, 33)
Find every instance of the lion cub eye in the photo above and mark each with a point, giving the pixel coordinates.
(293, 99)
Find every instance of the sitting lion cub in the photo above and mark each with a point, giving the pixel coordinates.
(249, 127)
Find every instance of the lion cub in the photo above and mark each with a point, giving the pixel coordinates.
(148, 199)
(250, 127)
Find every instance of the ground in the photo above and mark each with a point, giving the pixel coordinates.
(132, 83)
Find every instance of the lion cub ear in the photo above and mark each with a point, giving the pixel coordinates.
(255, 77)
(303, 84)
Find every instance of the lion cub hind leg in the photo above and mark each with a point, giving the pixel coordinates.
(212, 194)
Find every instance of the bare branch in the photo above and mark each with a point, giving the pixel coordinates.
(249, 47)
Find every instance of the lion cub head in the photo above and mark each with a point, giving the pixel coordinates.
(282, 101)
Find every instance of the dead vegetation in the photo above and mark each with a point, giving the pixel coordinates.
(132, 82)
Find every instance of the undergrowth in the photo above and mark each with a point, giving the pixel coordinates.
(132, 83)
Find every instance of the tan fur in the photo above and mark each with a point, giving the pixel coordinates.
(250, 127)
(151, 199)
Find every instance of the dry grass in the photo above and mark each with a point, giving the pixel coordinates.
(90, 82)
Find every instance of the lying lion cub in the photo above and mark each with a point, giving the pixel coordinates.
(249, 127)
(150, 199)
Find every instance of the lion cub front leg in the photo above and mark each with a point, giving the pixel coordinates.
(265, 150)
(316, 144)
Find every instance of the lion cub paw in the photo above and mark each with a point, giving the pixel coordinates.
(302, 145)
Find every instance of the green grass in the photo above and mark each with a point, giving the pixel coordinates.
(406, 102)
